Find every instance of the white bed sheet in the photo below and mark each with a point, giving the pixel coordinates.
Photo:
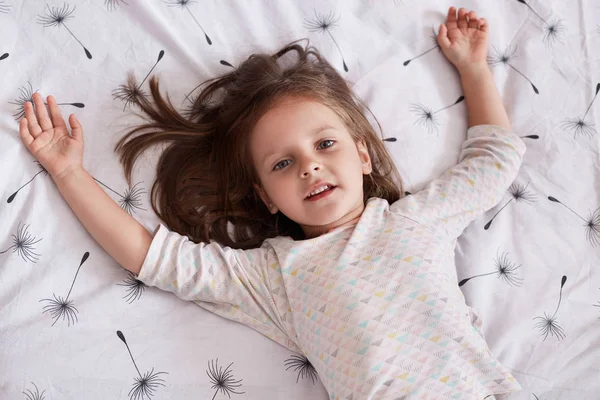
(536, 274)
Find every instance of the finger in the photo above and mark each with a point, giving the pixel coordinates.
(483, 25)
(32, 124)
(55, 114)
(76, 128)
(451, 18)
(24, 132)
(473, 20)
(42, 113)
(443, 36)
(462, 19)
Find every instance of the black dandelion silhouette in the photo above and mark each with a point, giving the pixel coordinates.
(304, 367)
(24, 244)
(579, 125)
(184, 4)
(26, 94)
(505, 269)
(530, 137)
(146, 384)
(57, 16)
(547, 324)
(131, 92)
(4, 56)
(134, 286)
(64, 308)
(537, 398)
(552, 30)
(42, 170)
(592, 223)
(325, 23)
(131, 200)
(30, 395)
(427, 117)
(435, 46)
(519, 194)
(222, 379)
(112, 5)
(226, 63)
(505, 58)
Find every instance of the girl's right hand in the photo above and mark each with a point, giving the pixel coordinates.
(48, 140)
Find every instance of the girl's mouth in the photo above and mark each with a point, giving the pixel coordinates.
(321, 195)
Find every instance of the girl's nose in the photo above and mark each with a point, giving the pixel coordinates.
(310, 168)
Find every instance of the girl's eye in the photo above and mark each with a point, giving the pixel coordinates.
(326, 141)
(279, 165)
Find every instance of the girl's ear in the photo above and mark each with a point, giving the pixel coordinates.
(266, 199)
(365, 159)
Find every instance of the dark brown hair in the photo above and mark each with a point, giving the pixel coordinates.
(204, 175)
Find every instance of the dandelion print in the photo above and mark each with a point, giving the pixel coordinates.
(26, 94)
(146, 384)
(552, 30)
(505, 269)
(579, 125)
(42, 170)
(24, 244)
(112, 5)
(324, 24)
(530, 137)
(134, 286)
(592, 223)
(547, 324)
(301, 364)
(226, 63)
(131, 92)
(30, 395)
(4, 9)
(435, 46)
(505, 58)
(131, 199)
(60, 308)
(427, 117)
(519, 194)
(222, 380)
(184, 4)
(57, 16)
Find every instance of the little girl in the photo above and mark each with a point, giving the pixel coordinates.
(326, 257)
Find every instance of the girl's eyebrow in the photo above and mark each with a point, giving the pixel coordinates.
(315, 132)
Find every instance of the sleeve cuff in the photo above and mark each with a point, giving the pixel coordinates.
(151, 263)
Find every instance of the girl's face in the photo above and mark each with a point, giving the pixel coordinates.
(301, 143)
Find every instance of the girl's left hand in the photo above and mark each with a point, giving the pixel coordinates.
(464, 40)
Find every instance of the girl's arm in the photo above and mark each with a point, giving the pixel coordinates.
(464, 41)
(47, 138)
(119, 234)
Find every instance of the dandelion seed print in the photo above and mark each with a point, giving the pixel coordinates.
(184, 4)
(301, 364)
(112, 5)
(134, 286)
(505, 58)
(24, 244)
(530, 137)
(222, 379)
(427, 117)
(579, 125)
(131, 199)
(324, 24)
(547, 324)
(226, 63)
(519, 194)
(26, 94)
(57, 16)
(30, 395)
(592, 223)
(4, 56)
(435, 46)
(42, 170)
(144, 385)
(132, 93)
(552, 30)
(64, 309)
(505, 269)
